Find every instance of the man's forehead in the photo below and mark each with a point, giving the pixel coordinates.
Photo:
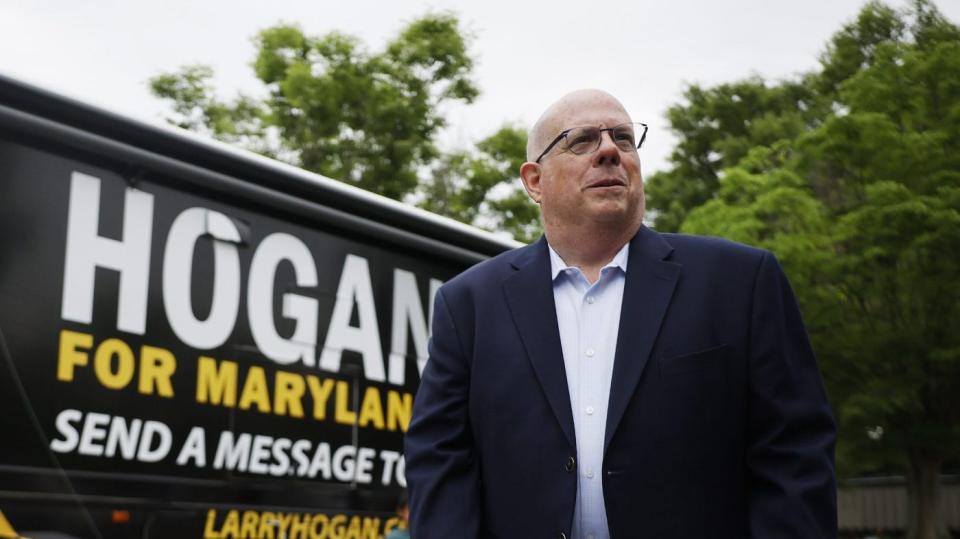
(586, 108)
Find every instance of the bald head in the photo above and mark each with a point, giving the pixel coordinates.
(559, 116)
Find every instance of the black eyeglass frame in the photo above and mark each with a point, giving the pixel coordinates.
(563, 134)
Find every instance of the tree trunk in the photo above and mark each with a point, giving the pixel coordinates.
(923, 490)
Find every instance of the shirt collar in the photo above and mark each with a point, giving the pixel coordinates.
(557, 265)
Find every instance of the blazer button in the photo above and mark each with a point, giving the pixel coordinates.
(570, 465)
(562, 535)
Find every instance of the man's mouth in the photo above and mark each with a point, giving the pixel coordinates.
(607, 182)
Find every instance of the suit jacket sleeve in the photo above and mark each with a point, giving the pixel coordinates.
(791, 434)
(441, 468)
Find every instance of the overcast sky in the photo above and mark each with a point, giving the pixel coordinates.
(528, 53)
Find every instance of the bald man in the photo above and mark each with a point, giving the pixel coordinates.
(611, 381)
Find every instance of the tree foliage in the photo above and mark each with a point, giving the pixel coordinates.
(196, 108)
(851, 174)
(481, 186)
(716, 127)
(368, 119)
(333, 107)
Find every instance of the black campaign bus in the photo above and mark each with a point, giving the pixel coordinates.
(196, 341)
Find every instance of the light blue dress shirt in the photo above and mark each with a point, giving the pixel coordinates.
(589, 318)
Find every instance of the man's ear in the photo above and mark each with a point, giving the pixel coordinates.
(530, 175)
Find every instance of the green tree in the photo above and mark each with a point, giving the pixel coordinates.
(716, 127)
(334, 108)
(483, 188)
(195, 107)
(857, 190)
(367, 119)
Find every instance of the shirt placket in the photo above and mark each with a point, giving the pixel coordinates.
(591, 373)
(576, 286)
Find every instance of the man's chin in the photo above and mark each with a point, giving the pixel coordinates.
(615, 211)
(613, 218)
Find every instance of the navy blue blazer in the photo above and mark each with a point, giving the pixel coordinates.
(718, 423)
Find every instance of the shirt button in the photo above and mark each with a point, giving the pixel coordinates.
(590, 352)
(590, 299)
(589, 410)
(589, 474)
(590, 536)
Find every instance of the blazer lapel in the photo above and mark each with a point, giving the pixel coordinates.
(647, 292)
(529, 293)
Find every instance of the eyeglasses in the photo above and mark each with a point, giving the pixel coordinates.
(586, 139)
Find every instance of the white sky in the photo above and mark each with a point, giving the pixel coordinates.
(528, 53)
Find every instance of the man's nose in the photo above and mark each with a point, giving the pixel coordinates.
(607, 153)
